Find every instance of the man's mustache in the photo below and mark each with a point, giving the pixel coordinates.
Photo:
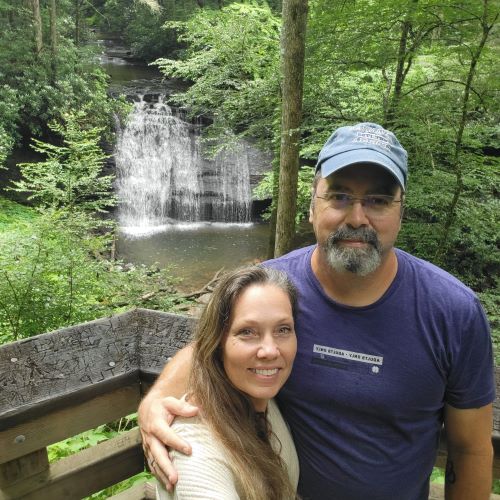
(363, 234)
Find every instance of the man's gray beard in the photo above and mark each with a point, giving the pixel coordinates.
(359, 261)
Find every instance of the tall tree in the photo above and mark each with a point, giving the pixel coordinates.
(78, 6)
(292, 65)
(404, 61)
(37, 26)
(53, 38)
(486, 20)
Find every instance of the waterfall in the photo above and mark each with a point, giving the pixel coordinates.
(164, 177)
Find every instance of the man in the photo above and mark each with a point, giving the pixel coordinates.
(389, 347)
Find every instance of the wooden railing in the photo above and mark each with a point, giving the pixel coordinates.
(56, 385)
(59, 384)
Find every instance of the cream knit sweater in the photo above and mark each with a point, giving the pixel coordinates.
(206, 474)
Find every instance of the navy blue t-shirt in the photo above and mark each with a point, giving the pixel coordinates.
(366, 394)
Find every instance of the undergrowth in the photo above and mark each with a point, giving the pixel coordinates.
(93, 437)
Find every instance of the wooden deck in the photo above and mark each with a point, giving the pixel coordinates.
(56, 385)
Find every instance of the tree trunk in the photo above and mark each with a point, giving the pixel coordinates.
(272, 220)
(457, 166)
(77, 23)
(402, 66)
(37, 26)
(292, 67)
(53, 38)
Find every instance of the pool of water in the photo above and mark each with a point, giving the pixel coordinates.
(195, 252)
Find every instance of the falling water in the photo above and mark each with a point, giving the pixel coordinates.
(164, 177)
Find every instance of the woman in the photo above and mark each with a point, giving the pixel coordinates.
(244, 349)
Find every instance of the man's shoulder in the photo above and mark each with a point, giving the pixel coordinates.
(432, 275)
(291, 260)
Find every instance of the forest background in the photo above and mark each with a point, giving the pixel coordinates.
(426, 69)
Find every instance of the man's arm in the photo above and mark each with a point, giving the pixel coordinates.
(470, 453)
(158, 409)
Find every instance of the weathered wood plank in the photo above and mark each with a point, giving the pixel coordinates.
(84, 473)
(496, 405)
(70, 359)
(23, 467)
(136, 492)
(45, 367)
(58, 425)
(64, 361)
(26, 413)
(161, 337)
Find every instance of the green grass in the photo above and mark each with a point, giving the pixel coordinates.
(12, 213)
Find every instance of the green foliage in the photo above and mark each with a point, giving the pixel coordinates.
(79, 442)
(407, 65)
(36, 88)
(232, 60)
(53, 267)
(491, 303)
(141, 26)
(12, 213)
(9, 114)
(71, 176)
(54, 273)
(142, 477)
(90, 438)
(265, 191)
(437, 475)
(48, 279)
(418, 67)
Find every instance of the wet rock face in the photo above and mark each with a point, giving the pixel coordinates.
(166, 174)
(150, 90)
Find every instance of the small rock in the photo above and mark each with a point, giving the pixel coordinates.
(203, 299)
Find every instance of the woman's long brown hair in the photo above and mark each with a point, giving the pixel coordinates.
(229, 412)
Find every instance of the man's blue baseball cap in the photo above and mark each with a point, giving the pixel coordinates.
(366, 143)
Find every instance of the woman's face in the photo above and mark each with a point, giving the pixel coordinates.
(260, 344)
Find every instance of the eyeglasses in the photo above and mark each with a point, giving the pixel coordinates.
(374, 205)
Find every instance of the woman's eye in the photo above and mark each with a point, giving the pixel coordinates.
(284, 330)
(245, 332)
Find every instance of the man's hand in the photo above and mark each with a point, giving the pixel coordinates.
(155, 416)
